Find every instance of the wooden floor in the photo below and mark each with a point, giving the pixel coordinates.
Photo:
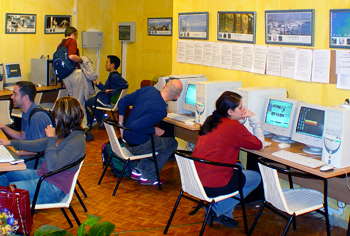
(144, 210)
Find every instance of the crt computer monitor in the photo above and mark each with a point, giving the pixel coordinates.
(279, 118)
(12, 73)
(308, 127)
(189, 101)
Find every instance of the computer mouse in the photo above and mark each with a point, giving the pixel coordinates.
(283, 145)
(189, 123)
(326, 168)
(38, 85)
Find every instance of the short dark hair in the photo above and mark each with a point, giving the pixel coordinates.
(70, 30)
(115, 60)
(27, 88)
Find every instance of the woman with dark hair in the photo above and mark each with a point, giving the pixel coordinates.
(220, 139)
(62, 147)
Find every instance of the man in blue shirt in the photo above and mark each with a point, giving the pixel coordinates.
(114, 81)
(23, 97)
(149, 108)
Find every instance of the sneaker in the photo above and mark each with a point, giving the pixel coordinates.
(94, 122)
(226, 221)
(88, 135)
(135, 174)
(101, 125)
(150, 182)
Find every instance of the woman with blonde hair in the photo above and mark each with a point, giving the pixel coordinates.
(62, 146)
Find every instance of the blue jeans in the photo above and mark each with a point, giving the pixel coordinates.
(28, 179)
(31, 164)
(98, 113)
(227, 206)
(165, 146)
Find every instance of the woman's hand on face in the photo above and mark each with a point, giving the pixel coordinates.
(4, 142)
(50, 131)
(248, 113)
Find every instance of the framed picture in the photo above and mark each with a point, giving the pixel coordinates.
(236, 26)
(160, 26)
(194, 25)
(17, 23)
(339, 29)
(56, 24)
(294, 27)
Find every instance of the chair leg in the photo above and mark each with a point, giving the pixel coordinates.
(67, 218)
(105, 169)
(348, 234)
(173, 212)
(74, 215)
(79, 199)
(257, 218)
(288, 224)
(244, 216)
(81, 189)
(121, 176)
(294, 223)
(206, 218)
(156, 163)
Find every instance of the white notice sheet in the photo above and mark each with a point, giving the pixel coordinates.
(226, 55)
(259, 59)
(320, 66)
(303, 63)
(207, 51)
(343, 81)
(288, 62)
(247, 57)
(198, 52)
(342, 62)
(237, 50)
(273, 66)
(181, 51)
(189, 52)
(216, 54)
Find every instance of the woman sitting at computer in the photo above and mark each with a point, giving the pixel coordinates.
(63, 146)
(220, 139)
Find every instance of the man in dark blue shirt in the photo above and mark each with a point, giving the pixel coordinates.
(114, 82)
(149, 108)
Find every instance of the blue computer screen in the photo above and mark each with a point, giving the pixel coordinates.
(13, 71)
(310, 122)
(191, 94)
(278, 113)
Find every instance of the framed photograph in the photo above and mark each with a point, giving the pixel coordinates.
(160, 26)
(236, 26)
(293, 27)
(56, 24)
(194, 25)
(339, 29)
(17, 23)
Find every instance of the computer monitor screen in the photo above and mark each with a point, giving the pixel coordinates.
(308, 128)
(279, 118)
(189, 102)
(12, 73)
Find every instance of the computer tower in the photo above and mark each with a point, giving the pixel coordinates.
(255, 98)
(207, 92)
(336, 137)
(42, 72)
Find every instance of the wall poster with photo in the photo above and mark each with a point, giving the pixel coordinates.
(293, 27)
(17, 23)
(160, 26)
(194, 25)
(339, 28)
(56, 24)
(236, 26)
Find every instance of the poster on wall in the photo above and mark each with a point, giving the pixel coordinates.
(56, 24)
(293, 27)
(236, 26)
(17, 23)
(339, 28)
(193, 25)
(160, 26)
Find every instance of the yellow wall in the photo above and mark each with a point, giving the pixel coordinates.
(317, 93)
(147, 57)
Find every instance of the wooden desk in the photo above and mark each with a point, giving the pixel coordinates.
(6, 94)
(7, 166)
(185, 132)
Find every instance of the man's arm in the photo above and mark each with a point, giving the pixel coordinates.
(75, 58)
(13, 133)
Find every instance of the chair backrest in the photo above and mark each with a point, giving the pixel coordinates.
(113, 139)
(5, 117)
(122, 94)
(38, 97)
(272, 188)
(190, 181)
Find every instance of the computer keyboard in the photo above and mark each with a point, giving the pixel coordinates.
(5, 155)
(11, 88)
(179, 117)
(298, 159)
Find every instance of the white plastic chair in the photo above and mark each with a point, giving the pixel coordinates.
(65, 203)
(112, 108)
(5, 117)
(50, 106)
(191, 185)
(123, 154)
(293, 202)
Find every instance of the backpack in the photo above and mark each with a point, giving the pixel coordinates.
(62, 65)
(37, 109)
(116, 164)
